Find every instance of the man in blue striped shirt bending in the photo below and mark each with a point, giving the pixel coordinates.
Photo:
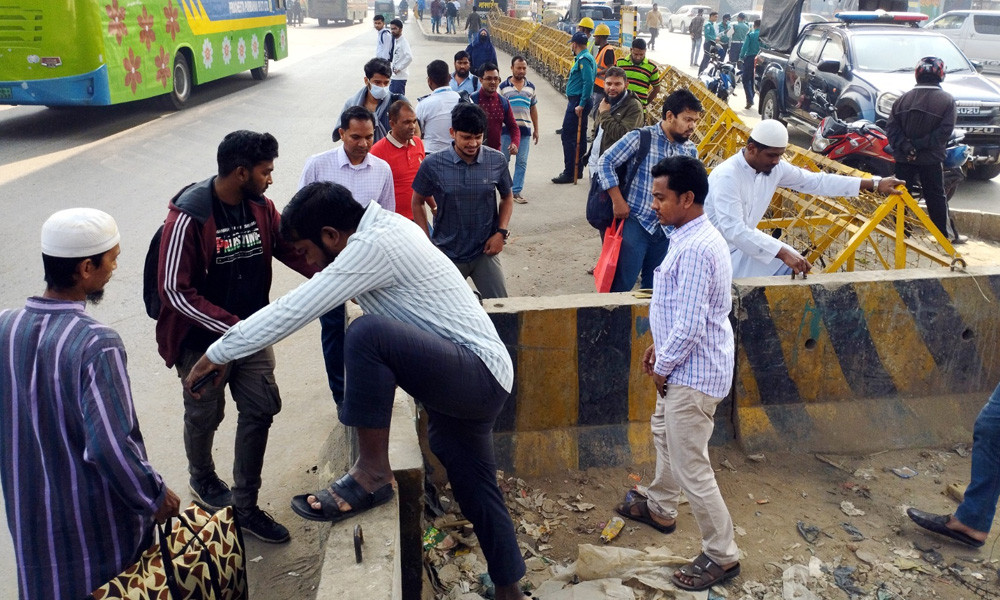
(80, 495)
(422, 330)
(691, 363)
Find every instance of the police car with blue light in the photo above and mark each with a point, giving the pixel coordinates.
(861, 64)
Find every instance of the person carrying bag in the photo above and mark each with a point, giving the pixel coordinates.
(197, 556)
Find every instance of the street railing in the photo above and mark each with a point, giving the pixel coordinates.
(869, 232)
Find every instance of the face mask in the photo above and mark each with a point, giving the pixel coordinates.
(378, 92)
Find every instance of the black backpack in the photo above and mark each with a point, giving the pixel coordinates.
(150, 283)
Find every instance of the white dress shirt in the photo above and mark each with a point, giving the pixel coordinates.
(392, 269)
(434, 114)
(689, 312)
(371, 180)
(738, 197)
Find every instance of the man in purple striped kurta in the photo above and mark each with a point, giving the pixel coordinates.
(80, 494)
(691, 363)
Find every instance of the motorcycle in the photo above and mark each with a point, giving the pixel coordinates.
(720, 76)
(863, 145)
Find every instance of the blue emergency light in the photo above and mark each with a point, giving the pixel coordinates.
(880, 16)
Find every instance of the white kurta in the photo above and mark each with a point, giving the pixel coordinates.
(738, 197)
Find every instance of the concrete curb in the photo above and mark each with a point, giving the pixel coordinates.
(392, 565)
(425, 29)
(977, 224)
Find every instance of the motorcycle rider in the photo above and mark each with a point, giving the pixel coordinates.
(920, 124)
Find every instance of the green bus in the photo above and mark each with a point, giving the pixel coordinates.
(102, 52)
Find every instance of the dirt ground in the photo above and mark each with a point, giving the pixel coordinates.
(768, 495)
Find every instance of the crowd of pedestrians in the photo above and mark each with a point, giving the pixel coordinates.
(358, 228)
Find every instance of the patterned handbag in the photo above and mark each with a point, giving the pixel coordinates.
(200, 556)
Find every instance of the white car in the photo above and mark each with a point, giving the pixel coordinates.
(975, 32)
(680, 20)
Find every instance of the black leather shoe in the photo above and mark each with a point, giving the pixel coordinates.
(558, 131)
(563, 178)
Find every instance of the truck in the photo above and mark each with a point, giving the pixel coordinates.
(861, 64)
(346, 11)
(600, 13)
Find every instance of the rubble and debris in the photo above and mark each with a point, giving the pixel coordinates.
(904, 472)
(856, 535)
(848, 508)
(809, 533)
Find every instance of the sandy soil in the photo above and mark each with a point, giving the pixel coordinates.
(767, 496)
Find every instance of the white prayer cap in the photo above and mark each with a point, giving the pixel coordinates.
(770, 133)
(79, 233)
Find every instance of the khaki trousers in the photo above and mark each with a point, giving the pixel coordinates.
(682, 425)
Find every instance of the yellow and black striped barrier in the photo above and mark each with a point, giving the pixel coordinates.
(838, 362)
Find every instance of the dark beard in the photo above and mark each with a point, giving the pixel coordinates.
(95, 297)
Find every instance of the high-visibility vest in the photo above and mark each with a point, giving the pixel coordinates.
(599, 81)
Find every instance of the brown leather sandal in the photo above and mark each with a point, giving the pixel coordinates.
(704, 573)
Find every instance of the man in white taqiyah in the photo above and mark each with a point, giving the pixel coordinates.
(740, 191)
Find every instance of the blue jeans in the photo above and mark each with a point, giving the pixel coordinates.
(695, 48)
(521, 160)
(980, 504)
(397, 86)
(450, 25)
(641, 252)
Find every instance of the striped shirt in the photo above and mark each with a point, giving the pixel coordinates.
(371, 180)
(640, 191)
(689, 312)
(521, 101)
(78, 489)
(392, 269)
(642, 78)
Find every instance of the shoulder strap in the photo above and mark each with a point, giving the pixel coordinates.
(645, 137)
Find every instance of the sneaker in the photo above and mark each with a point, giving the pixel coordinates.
(519, 199)
(262, 525)
(211, 492)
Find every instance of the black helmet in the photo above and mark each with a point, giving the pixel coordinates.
(930, 65)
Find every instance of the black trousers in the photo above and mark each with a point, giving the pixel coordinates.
(569, 129)
(462, 400)
(931, 179)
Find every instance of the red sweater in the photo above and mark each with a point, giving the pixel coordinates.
(404, 162)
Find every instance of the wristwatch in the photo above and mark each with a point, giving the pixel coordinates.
(875, 181)
(505, 233)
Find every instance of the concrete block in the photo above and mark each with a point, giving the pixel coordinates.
(862, 361)
(392, 567)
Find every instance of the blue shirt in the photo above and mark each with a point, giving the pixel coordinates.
(79, 491)
(581, 77)
(640, 191)
(471, 84)
(689, 312)
(466, 196)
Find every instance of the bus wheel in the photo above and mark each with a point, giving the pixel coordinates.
(181, 93)
(260, 73)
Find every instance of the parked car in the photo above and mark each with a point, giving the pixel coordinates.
(862, 65)
(975, 32)
(679, 20)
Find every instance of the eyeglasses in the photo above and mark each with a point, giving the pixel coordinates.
(491, 79)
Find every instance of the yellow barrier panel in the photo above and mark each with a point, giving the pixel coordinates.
(869, 232)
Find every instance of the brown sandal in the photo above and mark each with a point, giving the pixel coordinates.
(705, 573)
(643, 516)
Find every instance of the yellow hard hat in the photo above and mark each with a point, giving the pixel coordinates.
(586, 22)
(602, 29)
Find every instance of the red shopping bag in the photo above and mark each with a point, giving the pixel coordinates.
(604, 272)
